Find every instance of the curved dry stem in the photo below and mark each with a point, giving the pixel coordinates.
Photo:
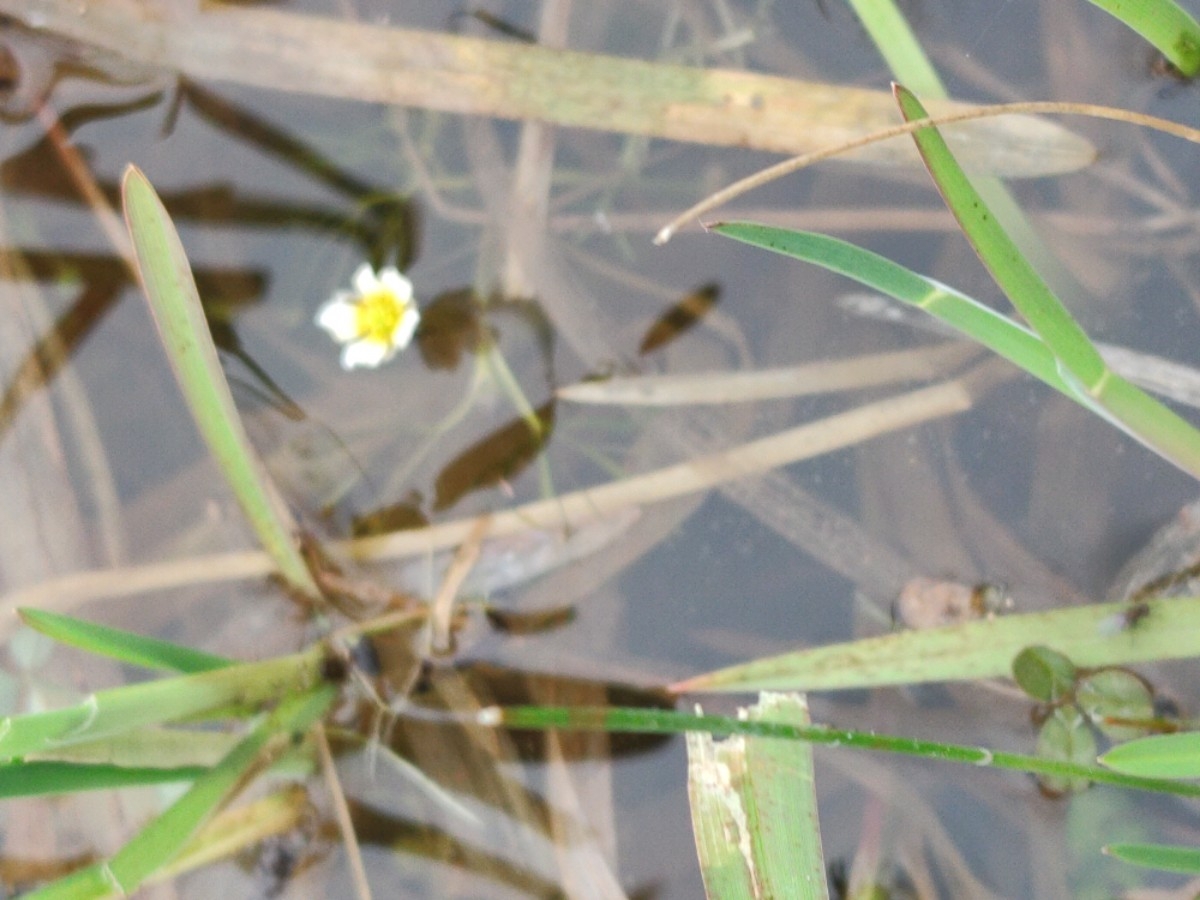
(795, 164)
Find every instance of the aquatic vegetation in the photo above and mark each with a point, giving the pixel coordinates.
(373, 322)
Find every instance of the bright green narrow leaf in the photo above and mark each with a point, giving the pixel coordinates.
(160, 841)
(1134, 411)
(169, 286)
(754, 809)
(982, 649)
(125, 646)
(1165, 24)
(618, 720)
(1158, 856)
(999, 334)
(39, 778)
(1043, 674)
(1160, 756)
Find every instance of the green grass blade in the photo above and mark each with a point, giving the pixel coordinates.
(1029, 294)
(1088, 635)
(1163, 23)
(125, 646)
(1137, 413)
(33, 779)
(153, 747)
(165, 700)
(898, 46)
(1158, 856)
(1158, 756)
(171, 289)
(160, 841)
(655, 721)
(981, 323)
(754, 810)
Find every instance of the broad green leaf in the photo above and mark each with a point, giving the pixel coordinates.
(125, 646)
(754, 809)
(982, 649)
(1160, 756)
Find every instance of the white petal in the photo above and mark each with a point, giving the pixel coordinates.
(364, 279)
(367, 354)
(339, 318)
(396, 283)
(402, 334)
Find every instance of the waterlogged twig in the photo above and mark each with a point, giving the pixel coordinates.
(571, 510)
(455, 73)
(825, 376)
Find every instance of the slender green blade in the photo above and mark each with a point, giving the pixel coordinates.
(754, 809)
(1088, 635)
(171, 290)
(32, 779)
(1029, 294)
(160, 841)
(123, 709)
(125, 646)
(1158, 856)
(659, 721)
(1160, 756)
(901, 50)
(1165, 24)
(155, 747)
(1134, 411)
(981, 323)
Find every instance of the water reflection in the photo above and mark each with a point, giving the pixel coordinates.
(481, 214)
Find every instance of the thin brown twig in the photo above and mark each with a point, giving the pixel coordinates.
(341, 812)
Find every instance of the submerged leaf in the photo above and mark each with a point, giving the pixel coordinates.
(1117, 702)
(497, 457)
(451, 324)
(681, 316)
(1065, 736)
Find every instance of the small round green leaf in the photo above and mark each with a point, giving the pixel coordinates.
(1117, 702)
(1066, 736)
(1044, 674)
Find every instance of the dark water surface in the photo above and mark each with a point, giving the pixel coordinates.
(280, 196)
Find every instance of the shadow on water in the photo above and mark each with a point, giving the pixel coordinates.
(529, 251)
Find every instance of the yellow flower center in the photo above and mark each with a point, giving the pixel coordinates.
(377, 314)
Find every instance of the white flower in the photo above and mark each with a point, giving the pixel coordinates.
(374, 320)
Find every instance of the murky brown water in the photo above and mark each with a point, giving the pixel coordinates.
(280, 196)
